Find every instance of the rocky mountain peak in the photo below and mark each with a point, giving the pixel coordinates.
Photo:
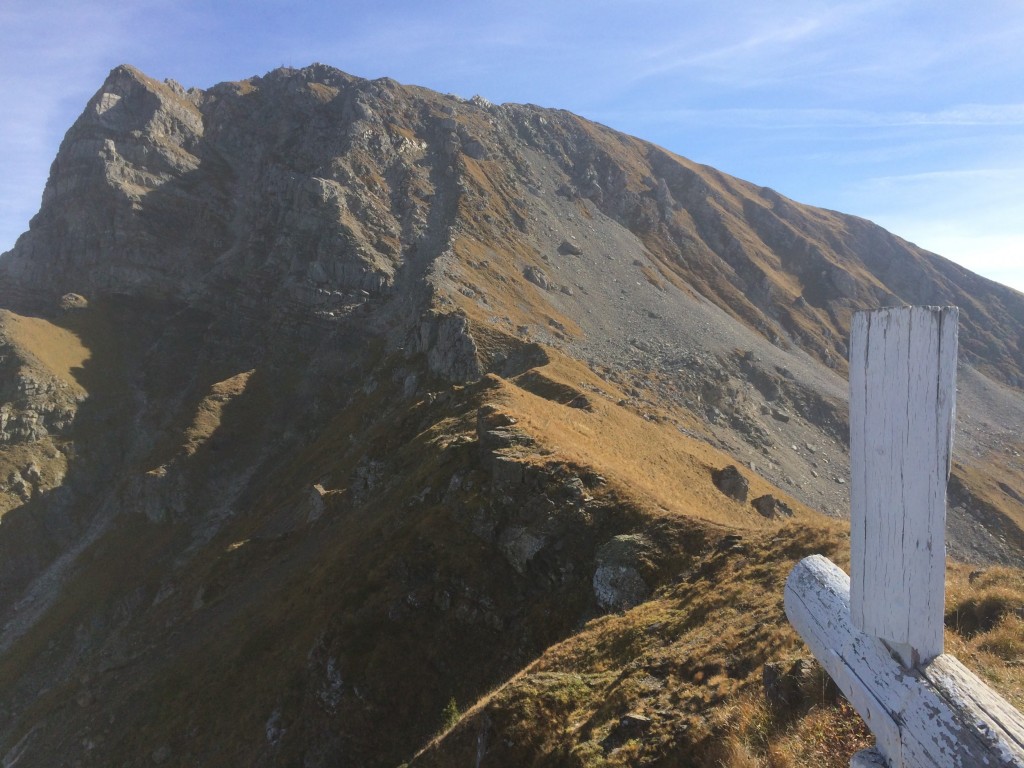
(129, 101)
(134, 136)
(305, 191)
(332, 406)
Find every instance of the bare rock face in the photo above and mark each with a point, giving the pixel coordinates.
(618, 580)
(191, 196)
(34, 407)
(451, 352)
(134, 143)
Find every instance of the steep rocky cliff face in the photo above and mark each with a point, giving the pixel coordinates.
(313, 190)
(324, 402)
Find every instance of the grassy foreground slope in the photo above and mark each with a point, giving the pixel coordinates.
(447, 547)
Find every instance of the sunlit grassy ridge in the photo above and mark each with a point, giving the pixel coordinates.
(650, 461)
(59, 351)
(690, 662)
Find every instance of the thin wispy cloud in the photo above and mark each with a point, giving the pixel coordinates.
(980, 115)
(685, 57)
(748, 46)
(986, 175)
(972, 215)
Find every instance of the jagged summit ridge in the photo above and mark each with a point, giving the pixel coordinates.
(158, 191)
(309, 189)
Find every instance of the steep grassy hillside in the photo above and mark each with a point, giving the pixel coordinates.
(347, 423)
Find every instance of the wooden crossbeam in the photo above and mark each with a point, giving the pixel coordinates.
(938, 715)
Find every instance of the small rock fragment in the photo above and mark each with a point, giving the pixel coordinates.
(568, 248)
(537, 277)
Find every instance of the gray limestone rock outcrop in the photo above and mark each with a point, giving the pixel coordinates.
(502, 446)
(450, 349)
(164, 193)
(519, 545)
(33, 402)
(135, 137)
(618, 581)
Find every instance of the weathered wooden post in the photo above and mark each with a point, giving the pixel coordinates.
(879, 632)
(902, 401)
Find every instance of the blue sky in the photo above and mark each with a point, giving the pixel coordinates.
(906, 112)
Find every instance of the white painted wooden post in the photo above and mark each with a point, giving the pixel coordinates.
(902, 400)
(879, 635)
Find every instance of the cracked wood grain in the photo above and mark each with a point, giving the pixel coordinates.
(902, 402)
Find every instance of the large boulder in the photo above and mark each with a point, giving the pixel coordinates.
(731, 482)
(537, 277)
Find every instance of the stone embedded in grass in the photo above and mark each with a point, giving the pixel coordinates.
(771, 507)
(792, 687)
(632, 725)
(731, 482)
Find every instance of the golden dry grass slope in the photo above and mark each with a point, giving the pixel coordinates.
(41, 391)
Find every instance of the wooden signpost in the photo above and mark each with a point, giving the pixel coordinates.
(878, 632)
(902, 401)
